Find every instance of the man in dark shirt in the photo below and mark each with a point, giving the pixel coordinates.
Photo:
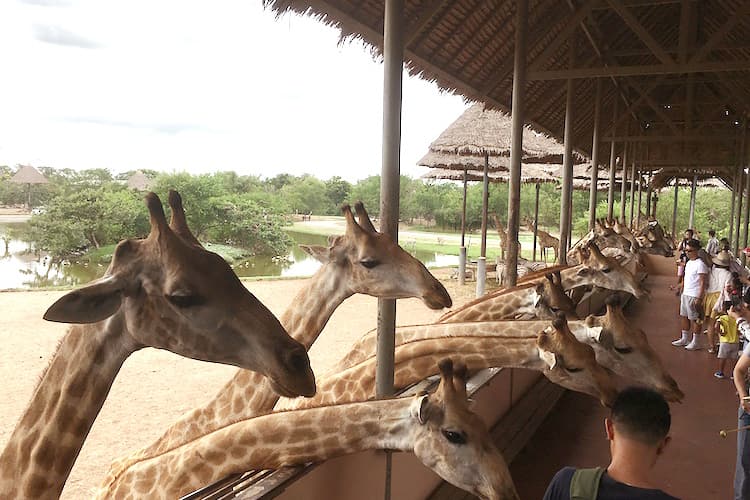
(637, 430)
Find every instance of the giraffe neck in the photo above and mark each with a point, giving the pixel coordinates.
(508, 305)
(248, 393)
(267, 442)
(41, 451)
(479, 345)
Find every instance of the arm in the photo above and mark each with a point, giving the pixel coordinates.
(703, 280)
(740, 370)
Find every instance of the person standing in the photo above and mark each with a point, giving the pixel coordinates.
(712, 247)
(742, 467)
(638, 433)
(692, 287)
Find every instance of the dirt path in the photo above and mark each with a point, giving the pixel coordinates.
(155, 387)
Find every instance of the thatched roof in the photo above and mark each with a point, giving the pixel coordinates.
(530, 173)
(479, 131)
(28, 175)
(467, 47)
(665, 178)
(139, 181)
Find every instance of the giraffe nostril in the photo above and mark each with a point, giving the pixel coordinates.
(298, 360)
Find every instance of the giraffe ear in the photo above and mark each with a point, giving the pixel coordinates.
(318, 252)
(418, 408)
(95, 302)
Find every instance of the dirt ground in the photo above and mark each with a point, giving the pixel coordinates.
(155, 387)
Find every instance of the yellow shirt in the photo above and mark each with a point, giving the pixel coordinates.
(728, 329)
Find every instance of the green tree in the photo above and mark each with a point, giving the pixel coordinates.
(338, 191)
(368, 192)
(306, 194)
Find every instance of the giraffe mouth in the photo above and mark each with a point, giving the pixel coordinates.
(279, 389)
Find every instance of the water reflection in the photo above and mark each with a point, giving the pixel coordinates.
(21, 267)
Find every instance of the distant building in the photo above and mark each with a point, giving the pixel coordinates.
(139, 181)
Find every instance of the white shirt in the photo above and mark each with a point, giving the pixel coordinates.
(691, 284)
(718, 279)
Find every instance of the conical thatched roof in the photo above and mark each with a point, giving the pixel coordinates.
(139, 181)
(28, 175)
(479, 131)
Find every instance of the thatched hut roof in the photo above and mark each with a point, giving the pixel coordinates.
(139, 181)
(663, 179)
(530, 173)
(28, 175)
(479, 131)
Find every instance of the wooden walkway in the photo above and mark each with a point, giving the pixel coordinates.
(698, 464)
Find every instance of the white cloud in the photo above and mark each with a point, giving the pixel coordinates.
(198, 86)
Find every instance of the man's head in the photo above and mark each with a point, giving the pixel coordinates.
(692, 247)
(640, 415)
(711, 233)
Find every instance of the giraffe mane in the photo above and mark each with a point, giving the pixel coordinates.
(541, 272)
(496, 293)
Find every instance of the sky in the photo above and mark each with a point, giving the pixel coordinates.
(198, 86)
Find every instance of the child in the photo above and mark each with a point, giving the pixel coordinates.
(729, 344)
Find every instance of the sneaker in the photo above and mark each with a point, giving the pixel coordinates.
(680, 342)
(693, 346)
(719, 374)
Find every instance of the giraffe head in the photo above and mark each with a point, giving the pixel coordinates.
(169, 292)
(455, 443)
(625, 348)
(373, 264)
(573, 364)
(556, 297)
(605, 272)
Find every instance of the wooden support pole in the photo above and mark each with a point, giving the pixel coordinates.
(595, 154)
(516, 149)
(536, 220)
(462, 250)
(691, 216)
(612, 165)
(624, 181)
(747, 190)
(566, 198)
(674, 208)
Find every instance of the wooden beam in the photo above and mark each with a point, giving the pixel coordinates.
(653, 105)
(570, 26)
(640, 70)
(720, 33)
(428, 12)
(640, 31)
(685, 16)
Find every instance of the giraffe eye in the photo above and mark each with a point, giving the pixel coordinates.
(369, 263)
(624, 350)
(185, 301)
(454, 436)
(606, 270)
(572, 370)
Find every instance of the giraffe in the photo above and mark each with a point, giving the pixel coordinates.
(164, 291)
(536, 294)
(552, 350)
(545, 240)
(439, 428)
(503, 235)
(362, 260)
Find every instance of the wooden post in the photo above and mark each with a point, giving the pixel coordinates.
(612, 164)
(566, 198)
(624, 180)
(740, 192)
(633, 150)
(482, 260)
(691, 216)
(747, 189)
(516, 149)
(462, 250)
(536, 220)
(674, 208)
(393, 60)
(595, 155)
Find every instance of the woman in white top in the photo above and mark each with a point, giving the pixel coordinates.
(719, 277)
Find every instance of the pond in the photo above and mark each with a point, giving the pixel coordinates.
(22, 268)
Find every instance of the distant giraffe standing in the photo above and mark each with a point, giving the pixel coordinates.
(545, 240)
(503, 235)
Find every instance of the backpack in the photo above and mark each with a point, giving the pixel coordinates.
(584, 485)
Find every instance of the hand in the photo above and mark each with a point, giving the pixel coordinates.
(745, 404)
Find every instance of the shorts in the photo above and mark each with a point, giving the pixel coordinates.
(691, 308)
(708, 305)
(728, 351)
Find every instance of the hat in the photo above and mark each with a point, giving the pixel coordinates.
(746, 250)
(723, 258)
